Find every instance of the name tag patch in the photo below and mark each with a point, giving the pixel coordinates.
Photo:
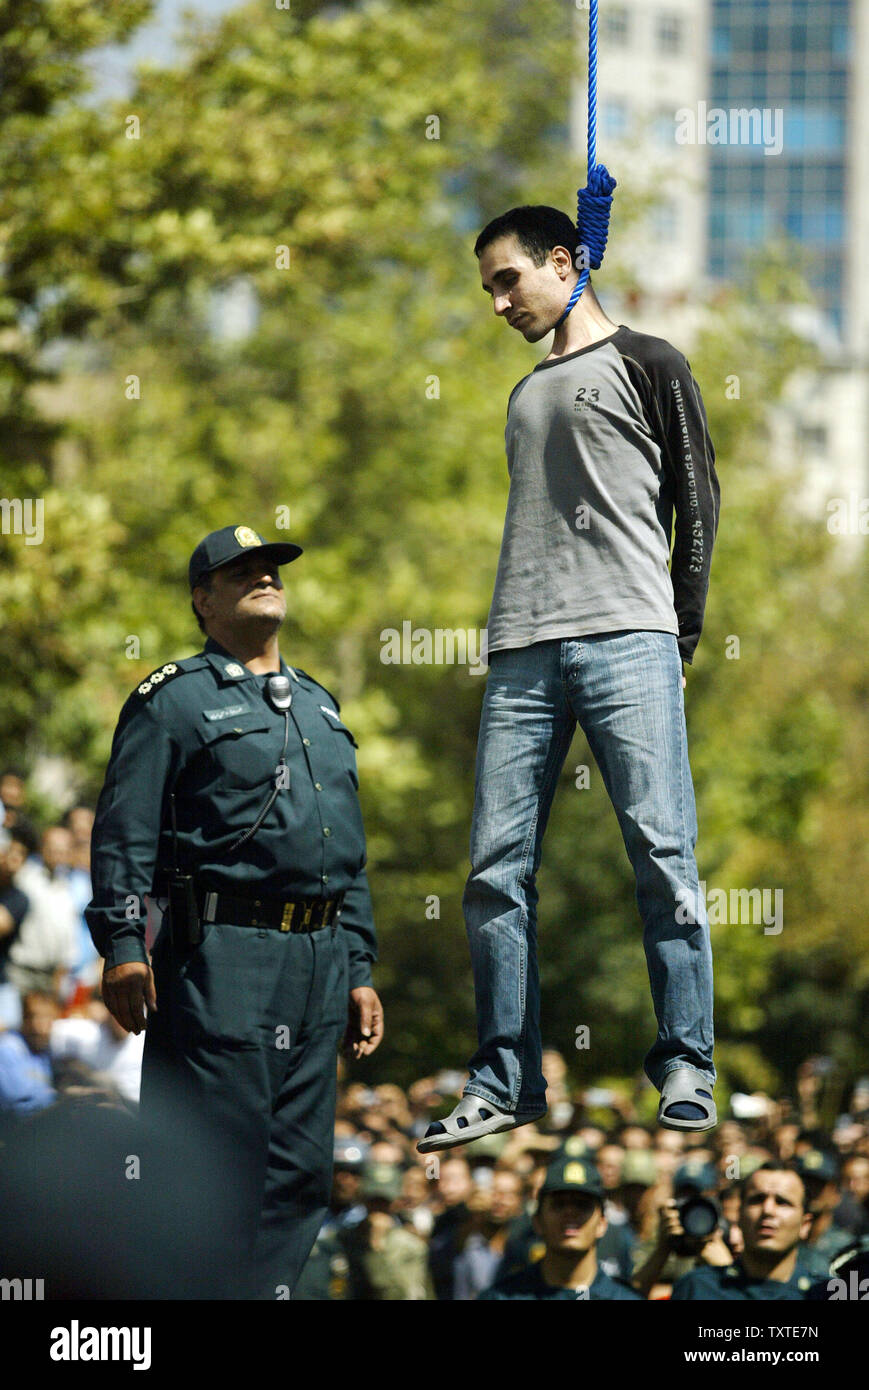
(225, 713)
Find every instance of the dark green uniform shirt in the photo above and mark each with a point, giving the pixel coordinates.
(727, 1282)
(204, 727)
(819, 1255)
(530, 1284)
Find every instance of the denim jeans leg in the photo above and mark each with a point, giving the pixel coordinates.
(626, 692)
(525, 732)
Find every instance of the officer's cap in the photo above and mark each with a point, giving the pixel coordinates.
(696, 1176)
(381, 1180)
(815, 1163)
(350, 1153)
(639, 1168)
(220, 547)
(573, 1175)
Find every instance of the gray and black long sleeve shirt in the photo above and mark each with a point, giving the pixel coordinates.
(606, 447)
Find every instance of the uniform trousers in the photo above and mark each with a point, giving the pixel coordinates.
(244, 1045)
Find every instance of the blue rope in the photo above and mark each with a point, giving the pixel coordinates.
(593, 203)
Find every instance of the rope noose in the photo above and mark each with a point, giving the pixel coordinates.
(593, 203)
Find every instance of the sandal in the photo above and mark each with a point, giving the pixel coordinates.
(686, 1085)
(472, 1118)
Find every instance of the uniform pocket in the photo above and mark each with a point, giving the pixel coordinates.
(224, 985)
(241, 750)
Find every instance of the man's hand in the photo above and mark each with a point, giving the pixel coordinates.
(126, 990)
(716, 1251)
(713, 1250)
(365, 1025)
(670, 1230)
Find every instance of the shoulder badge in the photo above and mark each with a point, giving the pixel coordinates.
(163, 674)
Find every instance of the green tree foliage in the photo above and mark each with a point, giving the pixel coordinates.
(327, 170)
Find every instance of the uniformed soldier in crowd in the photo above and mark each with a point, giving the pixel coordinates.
(387, 1262)
(570, 1221)
(819, 1171)
(773, 1220)
(231, 797)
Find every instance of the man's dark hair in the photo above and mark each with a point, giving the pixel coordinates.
(205, 582)
(25, 833)
(773, 1165)
(537, 229)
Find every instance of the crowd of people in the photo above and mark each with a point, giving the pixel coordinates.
(587, 1203)
(57, 1035)
(651, 1210)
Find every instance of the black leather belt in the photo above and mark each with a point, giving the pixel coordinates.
(280, 914)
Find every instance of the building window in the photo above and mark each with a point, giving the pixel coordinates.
(614, 119)
(720, 42)
(841, 43)
(664, 126)
(663, 224)
(670, 32)
(617, 25)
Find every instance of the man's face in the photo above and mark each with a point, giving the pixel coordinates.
(56, 849)
(786, 1140)
(855, 1179)
(570, 1222)
(11, 859)
(609, 1159)
(634, 1137)
(37, 1016)
(345, 1187)
(247, 590)
(11, 791)
(454, 1181)
(81, 823)
(772, 1216)
(531, 297)
(506, 1198)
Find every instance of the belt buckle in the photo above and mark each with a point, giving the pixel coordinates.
(287, 917)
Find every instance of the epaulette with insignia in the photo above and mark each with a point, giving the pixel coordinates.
(300, 672)
(166, 673)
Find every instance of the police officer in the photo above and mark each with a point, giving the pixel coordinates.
(570, 1222)
(231, 796)
(773, 1219)
(820, 1172)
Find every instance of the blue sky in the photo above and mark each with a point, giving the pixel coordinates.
(154, 41)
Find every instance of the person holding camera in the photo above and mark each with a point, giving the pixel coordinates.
(773, 1219)
(689, 1231)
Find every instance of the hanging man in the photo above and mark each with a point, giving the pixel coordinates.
(606, 441)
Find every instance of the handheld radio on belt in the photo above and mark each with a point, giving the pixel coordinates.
(183, 903)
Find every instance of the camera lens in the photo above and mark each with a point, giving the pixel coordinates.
(699, 1217)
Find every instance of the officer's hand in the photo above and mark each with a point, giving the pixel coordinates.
(126, 989)
(365, 1025)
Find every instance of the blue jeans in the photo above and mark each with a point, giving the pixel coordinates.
(625, 691)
